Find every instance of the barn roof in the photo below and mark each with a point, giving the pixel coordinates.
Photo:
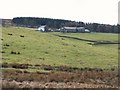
(73, 27)
(42, 26)
(80, 27)
(69, 27)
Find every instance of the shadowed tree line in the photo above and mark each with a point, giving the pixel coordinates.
(58, 23)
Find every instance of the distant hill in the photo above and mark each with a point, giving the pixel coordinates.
(52, 23)
(58, 23)
(6, 22)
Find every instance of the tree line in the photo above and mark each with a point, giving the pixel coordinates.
(58, 23)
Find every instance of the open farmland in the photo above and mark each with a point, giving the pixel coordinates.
(36, 53)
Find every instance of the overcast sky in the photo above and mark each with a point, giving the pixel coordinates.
(99, 11)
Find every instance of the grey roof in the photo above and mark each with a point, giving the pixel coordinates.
(42, 26)
(80, 28)
(69, 27)
(73, 27)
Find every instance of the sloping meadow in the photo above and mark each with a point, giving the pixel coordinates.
(24, 45)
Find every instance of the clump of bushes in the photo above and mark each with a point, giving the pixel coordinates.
(6, 45)
(10, 34)
(14, 52)
(2, 51)
(22, 36)
(2, 39)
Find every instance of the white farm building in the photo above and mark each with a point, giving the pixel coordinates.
(42, 28)
(74, 29)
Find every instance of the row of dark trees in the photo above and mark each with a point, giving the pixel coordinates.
(58, 23)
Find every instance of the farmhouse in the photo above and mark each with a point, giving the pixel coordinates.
(74, 29)
(42, 28)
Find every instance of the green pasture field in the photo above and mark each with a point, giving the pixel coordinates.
(46, 48)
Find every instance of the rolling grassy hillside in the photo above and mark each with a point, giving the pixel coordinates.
(46, 48)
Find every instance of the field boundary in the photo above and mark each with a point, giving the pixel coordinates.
(93, 41)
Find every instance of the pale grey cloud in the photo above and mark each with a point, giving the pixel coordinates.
(119, 13)
(101, 11)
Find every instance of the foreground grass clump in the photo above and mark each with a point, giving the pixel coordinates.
(24, 45)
